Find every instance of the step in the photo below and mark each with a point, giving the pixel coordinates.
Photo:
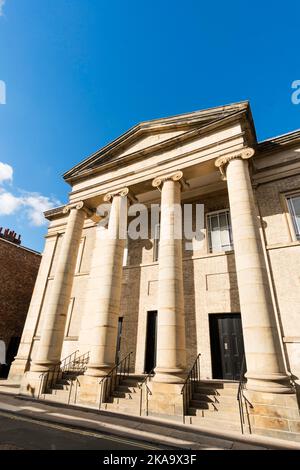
(210, 413)
(214, 423)
(123, 410)
(226, 399)
(206, 390)
(59, 392)
(55, 398)
(127, 388)
(135, 395)
(62, 385)
(215, 406)
(123, 407)
(130, 382)
(211, 383)
(126, 401)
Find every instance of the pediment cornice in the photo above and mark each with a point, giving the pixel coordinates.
(192, 125)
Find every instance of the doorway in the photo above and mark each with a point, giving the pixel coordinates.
(118, 349)
(227, 345)
(150, 354)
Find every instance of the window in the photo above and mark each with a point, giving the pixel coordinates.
(219, 231)
(156, 242)
(294, 209)
(125, 253)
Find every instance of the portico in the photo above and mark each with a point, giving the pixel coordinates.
(97, 300)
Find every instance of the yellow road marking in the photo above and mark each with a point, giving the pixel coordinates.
(76, 431)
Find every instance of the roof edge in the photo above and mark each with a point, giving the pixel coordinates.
(238, 106)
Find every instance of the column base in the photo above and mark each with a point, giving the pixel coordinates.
(44, 366)
(17, 369)
(268, 383)
(166, 399)
(273, 415)
(98, 370)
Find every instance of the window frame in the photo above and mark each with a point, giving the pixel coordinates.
(156, 240)
(290, 215)
(208, 230)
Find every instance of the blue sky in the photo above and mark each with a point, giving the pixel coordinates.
(80, 72)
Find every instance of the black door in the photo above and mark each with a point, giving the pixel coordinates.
(227, 346)
(118, 350)
(150, 357)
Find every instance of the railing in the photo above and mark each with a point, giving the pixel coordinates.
(144, 385)
(189, 386)
(72, 363)
(242, 400)
(115, 376)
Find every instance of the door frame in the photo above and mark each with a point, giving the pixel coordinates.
(217, 356)
(155, 315)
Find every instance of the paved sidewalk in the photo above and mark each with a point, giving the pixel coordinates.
(146, 429)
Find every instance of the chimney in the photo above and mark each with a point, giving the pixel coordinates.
(10, 235)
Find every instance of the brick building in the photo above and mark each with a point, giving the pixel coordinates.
(18, 271)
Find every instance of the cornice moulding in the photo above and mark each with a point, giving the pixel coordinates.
(104, 154)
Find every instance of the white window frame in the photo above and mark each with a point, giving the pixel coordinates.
(125, 253)
(292, 214)
(208, 231)
(156, 242)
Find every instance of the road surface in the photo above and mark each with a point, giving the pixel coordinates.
(21, 433)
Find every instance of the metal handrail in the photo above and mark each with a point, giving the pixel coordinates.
(68, 364)
(148, 391)
(241, 398)
(114, 377)
(189, 385)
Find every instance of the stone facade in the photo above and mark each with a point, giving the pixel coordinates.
(19, 268)
(209, 157)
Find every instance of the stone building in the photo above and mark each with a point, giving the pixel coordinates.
(228, 294)
(18, 271)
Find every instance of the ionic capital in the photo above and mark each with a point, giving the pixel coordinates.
(120, 192)
(159, 180)
(79, 206)
(223, 161)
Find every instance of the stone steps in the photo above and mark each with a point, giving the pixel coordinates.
(230, 415)
(122, 407)
(129, 383)
(126, 397)
(127, 389)
(210, 390)
(214, 423)
(227, 398)
(213, 403)
(216, 384)
(134, 395)
(229, 406)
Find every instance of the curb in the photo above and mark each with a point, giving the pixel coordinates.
(191, 432)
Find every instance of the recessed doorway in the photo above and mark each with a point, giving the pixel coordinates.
(227, 345)
(150, 353)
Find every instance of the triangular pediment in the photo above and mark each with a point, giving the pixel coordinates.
(150, 135)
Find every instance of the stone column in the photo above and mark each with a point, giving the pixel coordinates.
(171, 353)
(104, 288)
(21, 361)
(53, 329)
(265, 366)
